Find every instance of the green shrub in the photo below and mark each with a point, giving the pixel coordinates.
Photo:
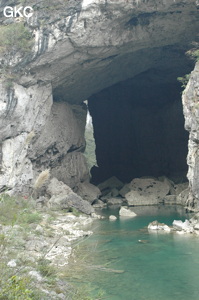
(45, 268)
(184, 80)
(15, 37)
(2, 239)
(17, 211)
(194, 52)
(29, 218)
(15, 288)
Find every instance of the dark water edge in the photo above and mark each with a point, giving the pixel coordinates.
(163, 266)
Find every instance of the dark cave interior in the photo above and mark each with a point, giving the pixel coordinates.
(139, 128)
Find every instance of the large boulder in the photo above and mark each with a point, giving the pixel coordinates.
(155, 225)
(57, 187)
(180, 187)
(185, 226)
(99, 204)
(135, 198)
(87, 191)
(115, 201)
(147, 191)
(125, 212)
(110, 185)
(124, 190)
(169, 200)
(62, 197)
(183, 197)
(71, 200)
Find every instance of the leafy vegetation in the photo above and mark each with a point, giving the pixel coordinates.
(15, 288)
(17, 211)
(184, 80)
(45, 268)
(15, 37)
(194, 52)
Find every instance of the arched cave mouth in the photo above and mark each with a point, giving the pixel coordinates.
(139, 128)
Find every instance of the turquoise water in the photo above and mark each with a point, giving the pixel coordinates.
(164, 267)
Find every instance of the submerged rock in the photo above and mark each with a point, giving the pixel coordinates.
(125, 212)
(143, 241)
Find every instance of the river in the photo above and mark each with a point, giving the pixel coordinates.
(127, 262)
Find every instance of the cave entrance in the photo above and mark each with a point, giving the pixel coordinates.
(139, 129)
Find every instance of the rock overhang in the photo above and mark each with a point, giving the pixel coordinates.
(111, 41)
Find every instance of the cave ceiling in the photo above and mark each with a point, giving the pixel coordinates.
(110, 43)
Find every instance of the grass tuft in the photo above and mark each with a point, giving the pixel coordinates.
(41, 179)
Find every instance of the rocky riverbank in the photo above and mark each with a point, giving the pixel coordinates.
(35, 246)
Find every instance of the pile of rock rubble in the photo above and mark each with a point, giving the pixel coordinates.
(188, 226)
(85, 197)
(141, 191)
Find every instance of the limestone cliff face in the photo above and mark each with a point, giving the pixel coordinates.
(191, 112)
(79, 48)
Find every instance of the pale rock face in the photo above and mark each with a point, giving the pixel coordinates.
(23, 109)
(191, 112)
(16, 167)
(41, 136)
(23, 114)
